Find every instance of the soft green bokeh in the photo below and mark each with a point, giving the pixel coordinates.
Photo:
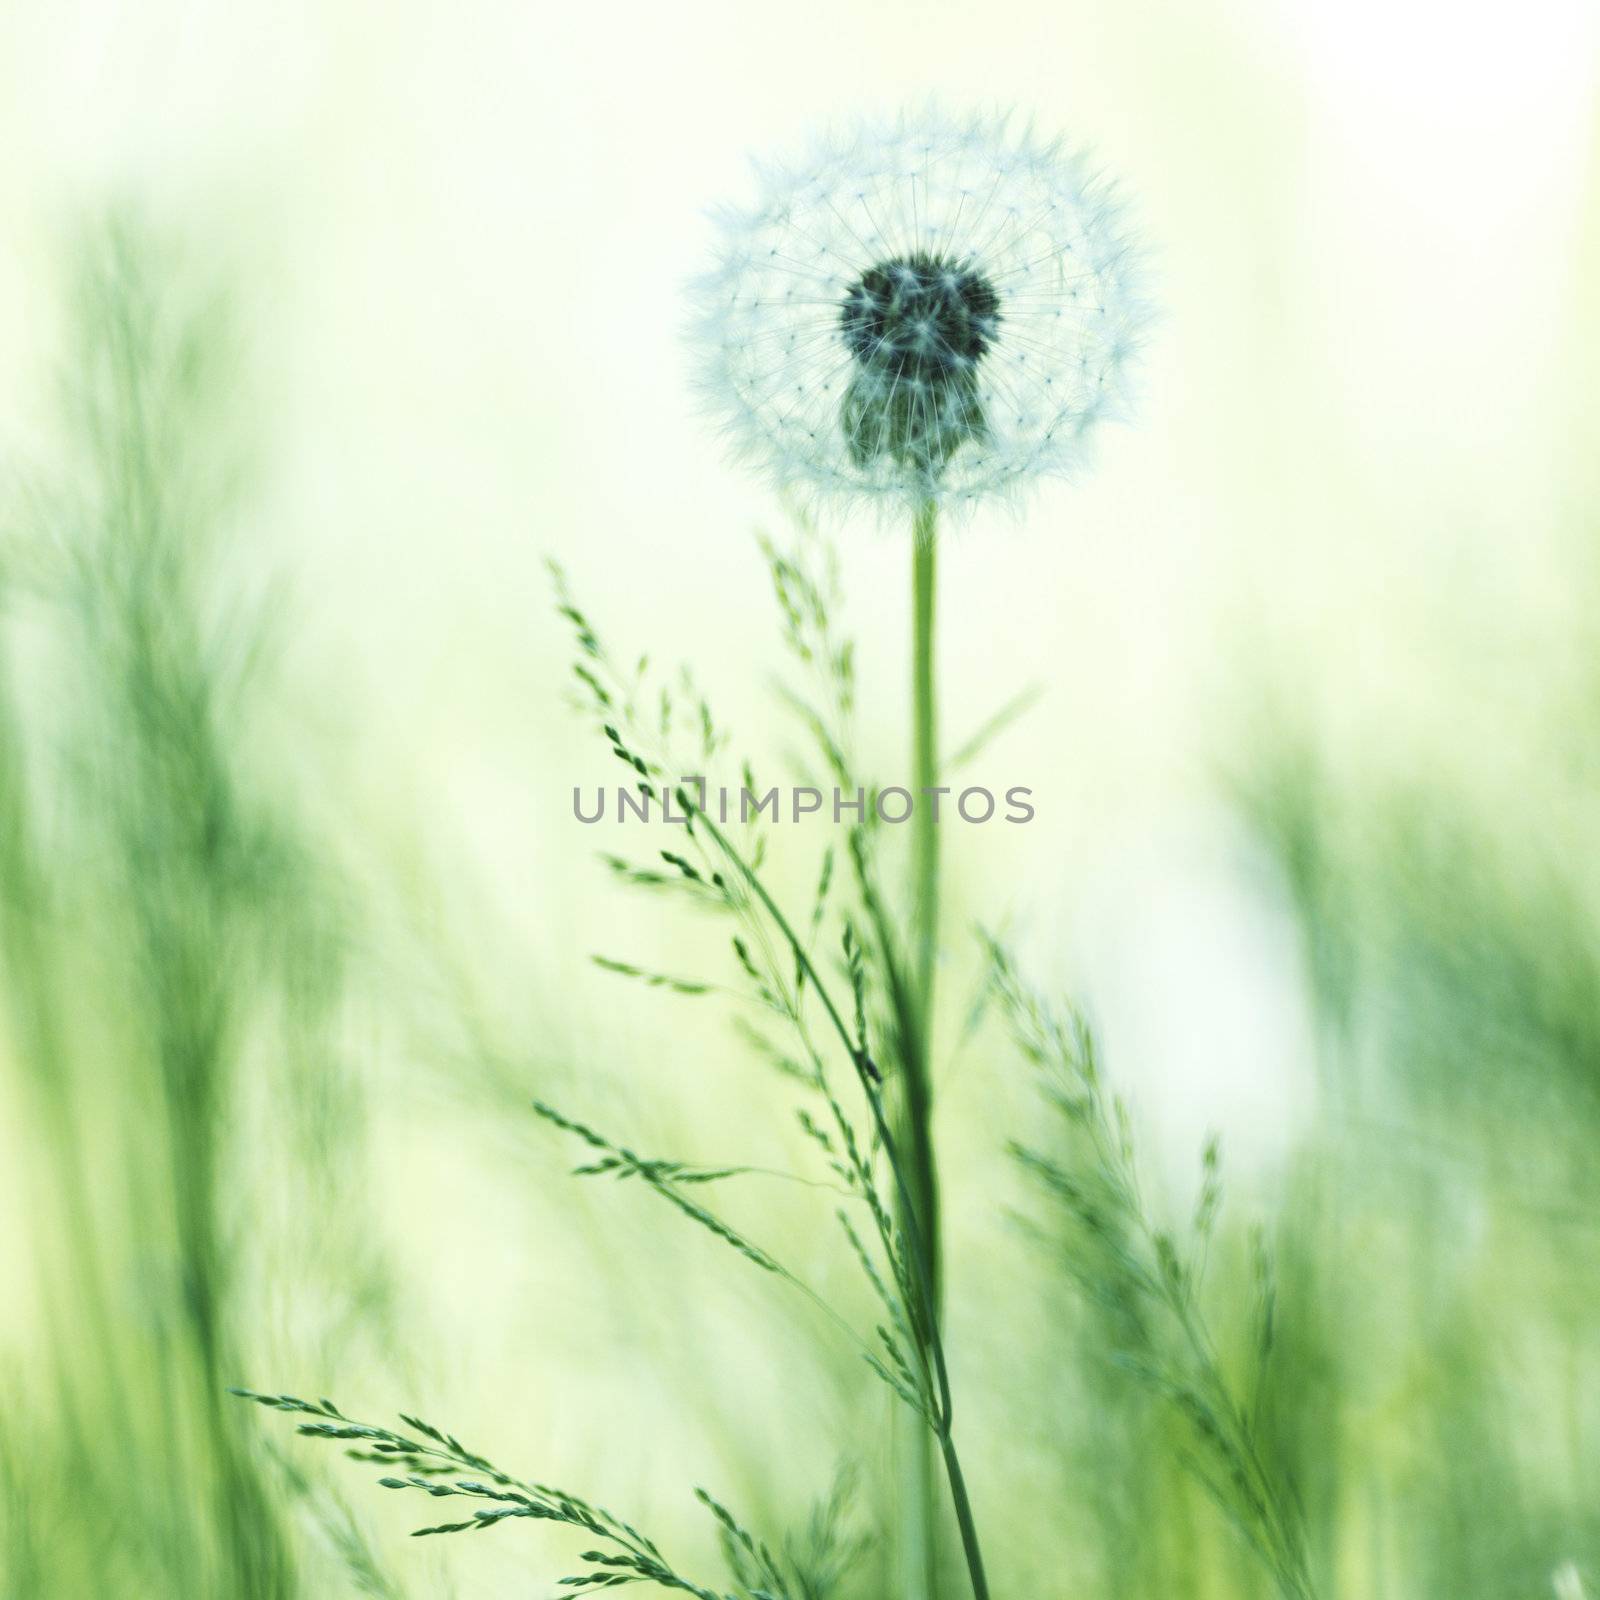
(294, 933)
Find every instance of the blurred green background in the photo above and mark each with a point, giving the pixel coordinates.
(321, 326)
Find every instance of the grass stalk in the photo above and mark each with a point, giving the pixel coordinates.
(927, 1327)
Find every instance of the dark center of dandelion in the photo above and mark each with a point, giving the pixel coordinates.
(921, 315)
(917, 326)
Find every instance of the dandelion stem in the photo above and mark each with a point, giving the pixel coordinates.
(925, 770)
(921, 1524)
(927, 1323)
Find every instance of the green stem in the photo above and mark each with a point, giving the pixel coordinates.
(969, 1530)
(920, 1545)
(942, 1421)
(924, 760)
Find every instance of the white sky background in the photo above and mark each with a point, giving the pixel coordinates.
(465, 229)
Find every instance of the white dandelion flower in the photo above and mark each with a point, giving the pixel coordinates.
(921, 315)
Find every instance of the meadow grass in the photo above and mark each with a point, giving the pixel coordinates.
(1371, 1374)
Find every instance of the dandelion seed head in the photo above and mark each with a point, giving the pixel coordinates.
(921, 311)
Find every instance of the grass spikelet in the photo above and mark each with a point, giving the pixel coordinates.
(1122, 1257)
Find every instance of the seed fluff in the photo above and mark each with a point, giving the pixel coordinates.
(923, 312)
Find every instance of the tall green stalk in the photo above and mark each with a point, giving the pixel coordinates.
(920, 1551)
(924, 761)
(941, 1414)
